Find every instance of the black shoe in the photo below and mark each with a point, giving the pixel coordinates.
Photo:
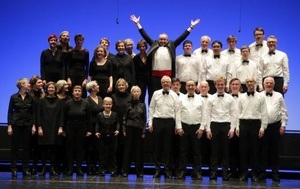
(26, 173)
(213, 176)
(262, 176)
(53, 172)
(14, 173)
(226, 176)
(197, 175)
(101, 173)
(180, 175)
(34, 171)
(80, 173)
(275, 177)
(69, 173)
(112, 174)
(243, 177)
(43, 172)
(168, 174)
(254, 178)
(140, 175)
(156, 174)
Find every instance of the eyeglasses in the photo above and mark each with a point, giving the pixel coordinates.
(272, 42)
(259, 34)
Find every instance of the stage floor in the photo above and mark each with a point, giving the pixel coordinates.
(131, 182)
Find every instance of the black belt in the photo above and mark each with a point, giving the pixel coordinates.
(191, 125)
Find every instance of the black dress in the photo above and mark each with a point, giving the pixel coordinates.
(77, 67)
(50, 119)
(52, 66)
(101, 74)
(124, 68)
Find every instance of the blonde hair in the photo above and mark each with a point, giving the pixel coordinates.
(107, 99)
(20, 82)
(60, 85)
(90, 85)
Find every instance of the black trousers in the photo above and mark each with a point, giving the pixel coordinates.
(20, 133)
(219, 144)
(188, 141)
(270, 147)
(163, 130)
(75, 144)
(133, 145)
(107, 154)
(48, 152)
(249, 144)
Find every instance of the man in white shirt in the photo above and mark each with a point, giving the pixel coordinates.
(214, 66)
(277, 121)
(193, 124)
(245, 67)
(253, 120)
(204, 50)
(188, 66)
(221, 122)
(232, 52)
(164, 121)
(259, 47)
(275, 64)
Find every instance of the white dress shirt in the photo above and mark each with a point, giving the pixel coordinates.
(276, 108)
(221, 109)
(253, 107)
(232, 56)
(193, 110)
(243, 70)
(257, 51)
(162, 59)
(188, 67)
(276, 65)
(165, 106)
(216, 67)
(198, 53)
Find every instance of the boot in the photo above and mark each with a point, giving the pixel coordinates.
(52, 172)
(43, 172)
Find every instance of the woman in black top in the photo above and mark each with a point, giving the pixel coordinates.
(142, 70)
(120, 99)
(134, 126)
(91, 143)
(101, 70)
(52, 64)
(77, 65)
(37, 93)
(107, 130)
(50, 126)
(62, 91)
(123, 65)
(77, 124)
(21, 125)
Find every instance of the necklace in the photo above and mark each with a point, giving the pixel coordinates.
(106, 115)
